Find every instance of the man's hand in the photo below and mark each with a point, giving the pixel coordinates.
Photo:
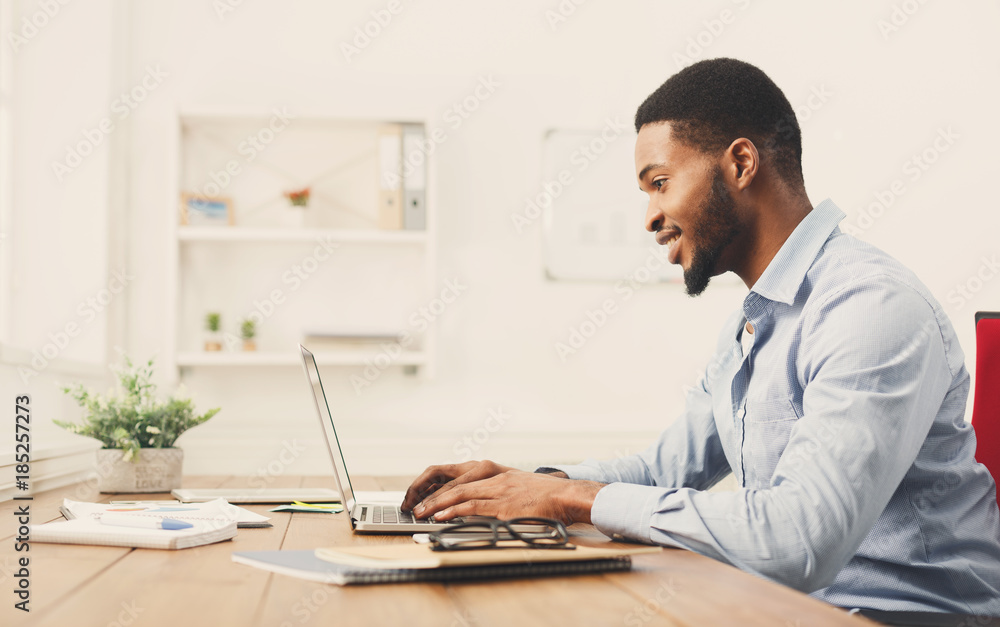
(437, 479)
(488, 489)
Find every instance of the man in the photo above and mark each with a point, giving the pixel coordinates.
(836, 394)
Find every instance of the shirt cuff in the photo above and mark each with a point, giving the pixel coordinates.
(625, 510)
(576, 471)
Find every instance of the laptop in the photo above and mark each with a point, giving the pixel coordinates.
(366, 517)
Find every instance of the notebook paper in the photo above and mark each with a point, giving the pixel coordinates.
(217, 510)
(90, 531)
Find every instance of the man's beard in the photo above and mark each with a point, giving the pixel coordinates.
(717, 227)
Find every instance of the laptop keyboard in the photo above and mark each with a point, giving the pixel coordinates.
(389, 515)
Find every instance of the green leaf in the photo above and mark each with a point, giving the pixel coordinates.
(135, 419)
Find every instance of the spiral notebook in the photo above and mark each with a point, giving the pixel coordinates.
(409, 556)
(305, 565)
(89, 531)
(212, 522)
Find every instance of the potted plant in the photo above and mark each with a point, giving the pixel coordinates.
(213, 324)
(137, 432)
(295, 214)
(248, 330)
(298, 198)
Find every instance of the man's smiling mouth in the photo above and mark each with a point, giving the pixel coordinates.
(670, 238)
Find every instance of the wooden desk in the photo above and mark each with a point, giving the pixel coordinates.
(79, 586)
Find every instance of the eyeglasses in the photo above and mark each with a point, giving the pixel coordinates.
(544, 533)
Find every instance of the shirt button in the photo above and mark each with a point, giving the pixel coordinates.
(749, 328)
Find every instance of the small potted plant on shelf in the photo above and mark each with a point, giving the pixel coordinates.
(248, 330)
(295, 214)
(213, 324)
(298, 198)
(137, 432)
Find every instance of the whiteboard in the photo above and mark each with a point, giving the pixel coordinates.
(593, 212)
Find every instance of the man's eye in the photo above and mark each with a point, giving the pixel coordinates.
(658, 183)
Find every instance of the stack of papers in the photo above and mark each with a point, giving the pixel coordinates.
(210, 522)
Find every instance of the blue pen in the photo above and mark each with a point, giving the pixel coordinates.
(144, 522)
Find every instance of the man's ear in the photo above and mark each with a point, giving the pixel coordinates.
(743, 161)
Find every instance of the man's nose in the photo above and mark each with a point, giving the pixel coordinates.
(654, 218)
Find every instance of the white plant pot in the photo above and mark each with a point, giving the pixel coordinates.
(152, 470)
(292, 217)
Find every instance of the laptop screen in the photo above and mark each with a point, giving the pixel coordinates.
(323, 411)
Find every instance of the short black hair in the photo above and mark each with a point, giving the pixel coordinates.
(712, 103)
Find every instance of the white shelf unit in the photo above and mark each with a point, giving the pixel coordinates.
(344, 357)
(373, 277)
(263, 234)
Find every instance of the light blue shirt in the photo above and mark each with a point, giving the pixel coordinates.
(844, 423)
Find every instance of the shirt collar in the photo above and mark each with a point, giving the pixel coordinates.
(781, 279)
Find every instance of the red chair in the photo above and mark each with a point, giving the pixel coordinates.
(986, 403)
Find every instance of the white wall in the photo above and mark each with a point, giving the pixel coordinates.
(54, 246)
(886, 99)
(60, 93)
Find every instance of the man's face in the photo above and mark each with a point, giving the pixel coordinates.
(690, 206)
